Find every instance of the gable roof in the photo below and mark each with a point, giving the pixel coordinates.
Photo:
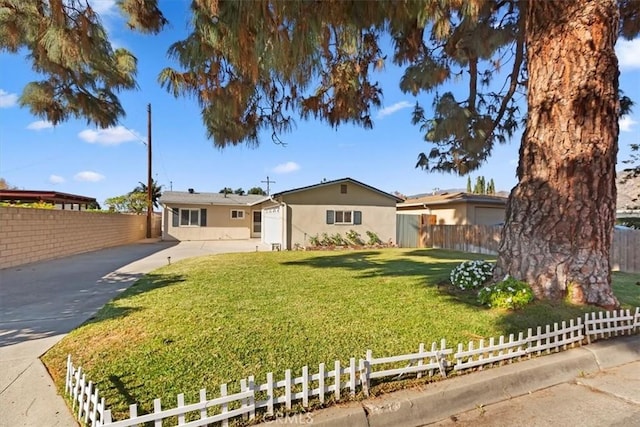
(459, 197)
(337, 181)
(187, 198)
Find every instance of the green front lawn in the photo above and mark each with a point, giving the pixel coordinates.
(206, 321)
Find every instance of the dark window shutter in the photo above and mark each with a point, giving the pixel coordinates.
(175, 220)
(357, 217)
(203, 217)
(330, 217)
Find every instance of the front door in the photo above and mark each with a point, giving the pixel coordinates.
(256, 224)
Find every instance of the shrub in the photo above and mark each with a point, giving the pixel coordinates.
(337, 240)
(354, 237)
(325, 240)
(471, 274)
(314, 240)
(32, 205)
(510, 293)
(373, 238)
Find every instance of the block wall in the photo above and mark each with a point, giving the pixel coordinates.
(29, 235)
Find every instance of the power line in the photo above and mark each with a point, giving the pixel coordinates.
(159, 152)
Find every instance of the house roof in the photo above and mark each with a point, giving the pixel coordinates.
(45, 196)
(459, 197)
(338, 181)
(187, 198)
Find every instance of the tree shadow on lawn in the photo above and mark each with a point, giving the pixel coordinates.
(435, 275)
(367, 263)
(148, 282)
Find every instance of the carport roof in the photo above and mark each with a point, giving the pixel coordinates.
(188, 198)
(44, 196)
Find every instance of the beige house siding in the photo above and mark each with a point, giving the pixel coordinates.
(463, 213)
(455, 213)
(30, 235)
(488, 215)
(310, 220)
(220, 225)
(306, 213)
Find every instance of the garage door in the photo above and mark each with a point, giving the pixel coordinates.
(489, 216)
(272, 225)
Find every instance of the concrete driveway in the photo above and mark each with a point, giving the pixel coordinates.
(41, 302)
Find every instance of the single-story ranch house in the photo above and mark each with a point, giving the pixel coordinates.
(285, 219)
(457, 208)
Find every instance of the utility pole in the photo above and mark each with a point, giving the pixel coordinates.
(149, 178)
(268, 182)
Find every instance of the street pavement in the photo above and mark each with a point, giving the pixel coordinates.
(41, 302)
(595, 385)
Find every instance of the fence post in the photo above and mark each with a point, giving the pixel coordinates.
(67, 379)
(287, 388)
(337, 373)
(270, 393)
(321, 387)
(224, 408)
(252, 398)
(305, 386)
(203, 399)
(352, 376)
(364, 375)
(420, 359)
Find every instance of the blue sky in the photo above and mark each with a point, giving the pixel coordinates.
(80, 159)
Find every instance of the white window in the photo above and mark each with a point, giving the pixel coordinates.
(344, 217)
(189, 217)
(237, 214)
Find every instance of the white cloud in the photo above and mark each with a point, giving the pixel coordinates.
(7, 99)
(104, 7)
(40, 125)
(628, 52)
(626, 123)
(56, 179)
(88, 176)
(110, 136)
(287, 167)
(387, 111)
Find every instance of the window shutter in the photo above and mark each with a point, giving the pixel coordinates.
(175, 218)
(330, 217)
(357, 217)
(203, 217)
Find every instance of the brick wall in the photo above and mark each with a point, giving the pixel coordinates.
(29, 235)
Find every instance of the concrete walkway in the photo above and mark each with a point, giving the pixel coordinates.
(41, 302)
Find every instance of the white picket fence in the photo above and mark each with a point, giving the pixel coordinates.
(273, 396)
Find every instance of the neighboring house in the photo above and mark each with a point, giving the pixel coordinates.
(286, 219)
(209, 216)
(63, 201)
(457, 208)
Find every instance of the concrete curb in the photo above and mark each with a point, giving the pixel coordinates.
(455, 395)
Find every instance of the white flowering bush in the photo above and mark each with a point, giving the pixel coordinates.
(510, 293)
(471, 274)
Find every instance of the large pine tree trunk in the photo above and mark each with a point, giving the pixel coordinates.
(560, 216)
